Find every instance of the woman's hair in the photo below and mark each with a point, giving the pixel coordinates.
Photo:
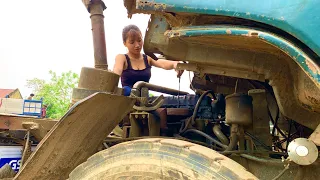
(130, 28)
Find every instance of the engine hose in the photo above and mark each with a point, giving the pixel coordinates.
(217, 131)
(233, 142)
(262, 160)
(233, 138)
(251, 152)
(196, 108)
(206, 136)
(185, 126)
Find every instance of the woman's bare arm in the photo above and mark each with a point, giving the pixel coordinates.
(162, 63)
(165, 64)
(119, 64)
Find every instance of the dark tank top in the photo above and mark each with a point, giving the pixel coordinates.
(130, 76)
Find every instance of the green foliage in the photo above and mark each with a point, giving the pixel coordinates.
(56, 93)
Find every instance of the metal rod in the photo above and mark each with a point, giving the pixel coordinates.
(258, 141)
(282, 172)
(236, 86)
(275, 125)
(275, 121)
(288, 140)
(140, 84)
(99, 42)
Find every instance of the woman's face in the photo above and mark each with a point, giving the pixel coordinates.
(134, 42)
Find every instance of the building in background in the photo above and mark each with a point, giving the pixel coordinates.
(10, 93)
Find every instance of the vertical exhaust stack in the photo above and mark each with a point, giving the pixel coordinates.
(97, 79)
(96, 8)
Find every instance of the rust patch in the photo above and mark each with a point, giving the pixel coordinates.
(160, 6)
(253, 33)
(312, 67)
(157, 6)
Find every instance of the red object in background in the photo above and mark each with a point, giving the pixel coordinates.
(5, 92)
(43, 112)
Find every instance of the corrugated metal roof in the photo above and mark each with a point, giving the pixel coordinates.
(5, 92)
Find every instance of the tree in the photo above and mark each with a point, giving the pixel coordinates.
(56, 93)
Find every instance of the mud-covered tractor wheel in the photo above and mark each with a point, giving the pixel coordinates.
(159, 159)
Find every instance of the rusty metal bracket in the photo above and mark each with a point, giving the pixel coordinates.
(144, 124)
(126, 130)
(218, 70)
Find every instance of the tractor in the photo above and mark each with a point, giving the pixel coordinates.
(254, 113)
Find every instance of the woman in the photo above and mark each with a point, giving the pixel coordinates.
(134, 66)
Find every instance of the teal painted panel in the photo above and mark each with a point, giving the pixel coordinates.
(300, 18)
(294, 52)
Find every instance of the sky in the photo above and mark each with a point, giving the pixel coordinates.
(38, 36)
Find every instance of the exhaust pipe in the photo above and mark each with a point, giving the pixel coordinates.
(141, 84)
(97, 79)
(96, 8)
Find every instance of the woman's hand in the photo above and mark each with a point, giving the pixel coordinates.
(165, 64)
(179, 72)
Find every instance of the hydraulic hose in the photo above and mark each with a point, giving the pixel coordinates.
(206, 136)
(262, 160)
(233, 142)
(196, 108)
(217, 131)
